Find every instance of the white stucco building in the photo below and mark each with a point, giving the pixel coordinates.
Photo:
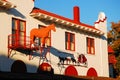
(75, 48)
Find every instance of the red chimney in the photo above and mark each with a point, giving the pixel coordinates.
(76, 14)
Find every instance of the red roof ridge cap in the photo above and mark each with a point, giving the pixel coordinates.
(38, 10)
(97, 22)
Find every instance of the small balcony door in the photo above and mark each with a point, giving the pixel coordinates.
(18, 32)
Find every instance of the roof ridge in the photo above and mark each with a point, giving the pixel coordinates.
(72, 21)
(58, 16)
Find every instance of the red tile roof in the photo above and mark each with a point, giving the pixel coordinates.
(37, 10)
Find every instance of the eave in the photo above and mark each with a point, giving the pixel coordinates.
(6, 5)
(44, 15)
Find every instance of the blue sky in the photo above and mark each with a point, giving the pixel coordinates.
(89, 9)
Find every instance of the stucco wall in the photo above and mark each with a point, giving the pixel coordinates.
(24, 7)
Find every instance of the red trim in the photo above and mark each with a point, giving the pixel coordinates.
(37, 10)
(93, 45)
(68, 47)
(17, 40)
(90, 45)
(18, 31)
(68, 40)
(71, 71)
(101, 20)
(74, 41)
(92, 72)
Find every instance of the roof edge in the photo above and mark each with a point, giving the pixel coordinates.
(42, 14)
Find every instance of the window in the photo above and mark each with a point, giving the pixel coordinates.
(90, 46)
(69, 41)
(22, 32)
(48, 39)
(18, 31)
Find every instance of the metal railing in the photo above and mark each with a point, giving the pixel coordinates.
(15, 41)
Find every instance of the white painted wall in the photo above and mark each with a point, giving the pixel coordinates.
(22, 11)
(80, 40)
(103, 44)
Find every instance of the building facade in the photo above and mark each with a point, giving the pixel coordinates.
(75, 48)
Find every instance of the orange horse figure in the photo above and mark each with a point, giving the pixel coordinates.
(41, 33)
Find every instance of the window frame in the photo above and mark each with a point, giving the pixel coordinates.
(18, 33)
(69, 41)
(48, 39)
(90, 45)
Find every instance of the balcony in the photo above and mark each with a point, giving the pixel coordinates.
(20, 44)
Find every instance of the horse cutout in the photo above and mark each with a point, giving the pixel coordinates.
(81, 60)
(41, 33)
(67, 59)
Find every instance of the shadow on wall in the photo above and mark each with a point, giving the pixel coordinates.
(104, 38)
(59, 53)
(54, 51)
(16, 13)
(15, 66)
(19, 66)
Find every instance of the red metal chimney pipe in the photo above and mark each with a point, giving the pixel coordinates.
(76, 14)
